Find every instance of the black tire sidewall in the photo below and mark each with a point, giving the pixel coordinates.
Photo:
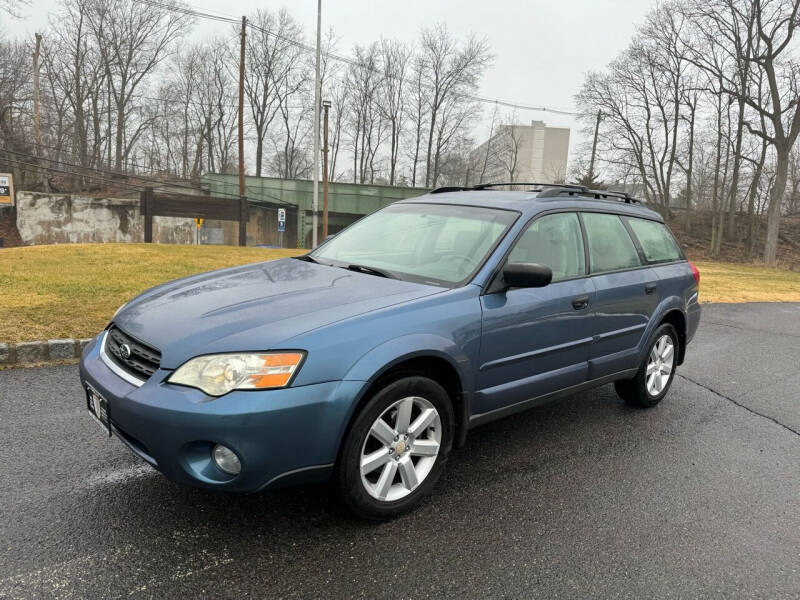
(348, 469)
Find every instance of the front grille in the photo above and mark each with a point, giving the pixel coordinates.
(140, 361)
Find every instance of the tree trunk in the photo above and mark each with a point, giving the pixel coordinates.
(775, 202)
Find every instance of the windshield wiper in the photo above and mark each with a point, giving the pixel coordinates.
(370, 271)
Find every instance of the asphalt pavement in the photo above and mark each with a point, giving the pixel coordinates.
(585, 497)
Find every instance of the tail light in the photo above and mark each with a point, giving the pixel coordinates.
(695, 272)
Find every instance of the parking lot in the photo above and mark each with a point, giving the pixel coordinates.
(584, 497)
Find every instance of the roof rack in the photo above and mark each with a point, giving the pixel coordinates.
(554, 191)
(484, 186)
(549, 190)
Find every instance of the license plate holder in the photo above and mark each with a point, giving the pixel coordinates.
(98, 408)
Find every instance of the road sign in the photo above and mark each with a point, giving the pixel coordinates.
(6, 188)
(198, 222)
(281, 215)
(281, 226)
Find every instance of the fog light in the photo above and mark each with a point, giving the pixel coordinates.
(226, 460)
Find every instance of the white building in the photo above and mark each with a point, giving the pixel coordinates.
(532, 153)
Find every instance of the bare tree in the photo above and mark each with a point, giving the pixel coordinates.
(392, 97)
(364, 78)
(452, 72)
(274, 70)
(133, 40)
(13, 8)
(418, 113)
(759, 36)
(510, 145)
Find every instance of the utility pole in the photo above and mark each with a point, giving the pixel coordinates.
(594, 145)
(37, 122)
(241, 108)
(326, 104)
(317, 90)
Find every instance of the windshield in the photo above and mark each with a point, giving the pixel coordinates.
(428, 243)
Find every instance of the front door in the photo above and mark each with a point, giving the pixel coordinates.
(535, 341)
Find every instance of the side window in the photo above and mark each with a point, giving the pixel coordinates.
(553, 240)
(610, 246)
(656, 240)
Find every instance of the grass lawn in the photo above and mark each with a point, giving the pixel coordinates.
(735, 282)
(71, 290)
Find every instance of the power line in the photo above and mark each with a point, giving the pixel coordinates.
(347, 60)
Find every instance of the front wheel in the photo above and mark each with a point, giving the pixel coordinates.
(396, 449)
(655, 375)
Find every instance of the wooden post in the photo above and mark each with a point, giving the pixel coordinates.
(243, 216)
(146, 208)
(241, 107)
(594, 146)
(326, 105)
(37, 119)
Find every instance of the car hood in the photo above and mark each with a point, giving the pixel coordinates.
(254, 307)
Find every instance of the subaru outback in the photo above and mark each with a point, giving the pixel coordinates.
(367, 360)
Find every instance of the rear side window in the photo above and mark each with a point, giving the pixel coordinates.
(610, 246)
(553, 240)
(656, 240)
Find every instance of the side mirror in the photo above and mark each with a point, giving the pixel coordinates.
(527, 275)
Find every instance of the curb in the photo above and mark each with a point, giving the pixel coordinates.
(24, 353)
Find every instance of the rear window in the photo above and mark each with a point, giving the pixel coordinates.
(610, 246)
(656, 240)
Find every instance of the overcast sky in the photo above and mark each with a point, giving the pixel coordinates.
(542, 48)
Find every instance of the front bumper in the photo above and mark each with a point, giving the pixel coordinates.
(283, 436)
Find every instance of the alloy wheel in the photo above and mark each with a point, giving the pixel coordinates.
(659, 365)
(400, 449)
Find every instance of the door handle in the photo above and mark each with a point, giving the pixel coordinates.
(650, 288)
(580, 302)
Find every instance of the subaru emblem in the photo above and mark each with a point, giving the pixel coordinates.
(125, 351)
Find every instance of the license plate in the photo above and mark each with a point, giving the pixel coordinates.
(98, 408)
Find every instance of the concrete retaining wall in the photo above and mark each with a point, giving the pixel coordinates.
(63, 218)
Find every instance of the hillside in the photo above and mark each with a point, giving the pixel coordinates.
(696, 243)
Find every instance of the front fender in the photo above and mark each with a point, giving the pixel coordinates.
(384, 356)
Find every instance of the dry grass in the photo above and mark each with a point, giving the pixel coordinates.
(49, 292)
(72, 290)
(736, 282)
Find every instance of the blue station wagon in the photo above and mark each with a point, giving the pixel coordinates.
(367, 360)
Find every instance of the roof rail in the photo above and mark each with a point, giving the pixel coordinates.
(549, 190)
(450, 188)
(609, 194)
(555, 191)
(484, 186)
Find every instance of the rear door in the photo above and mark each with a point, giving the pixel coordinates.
(535, 341)
(626, 293)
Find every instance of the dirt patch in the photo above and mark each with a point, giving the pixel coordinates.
(8, 228)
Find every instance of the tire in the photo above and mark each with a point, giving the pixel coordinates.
(651, 383)
(386, 487)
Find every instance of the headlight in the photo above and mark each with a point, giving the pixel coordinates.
(218, 374)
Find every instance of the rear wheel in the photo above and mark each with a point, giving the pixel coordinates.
(654, 378)
(396, 449)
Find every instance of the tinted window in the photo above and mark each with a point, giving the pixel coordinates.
(555, 241)
(656, 240)
(427, 243)
(610, 246)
